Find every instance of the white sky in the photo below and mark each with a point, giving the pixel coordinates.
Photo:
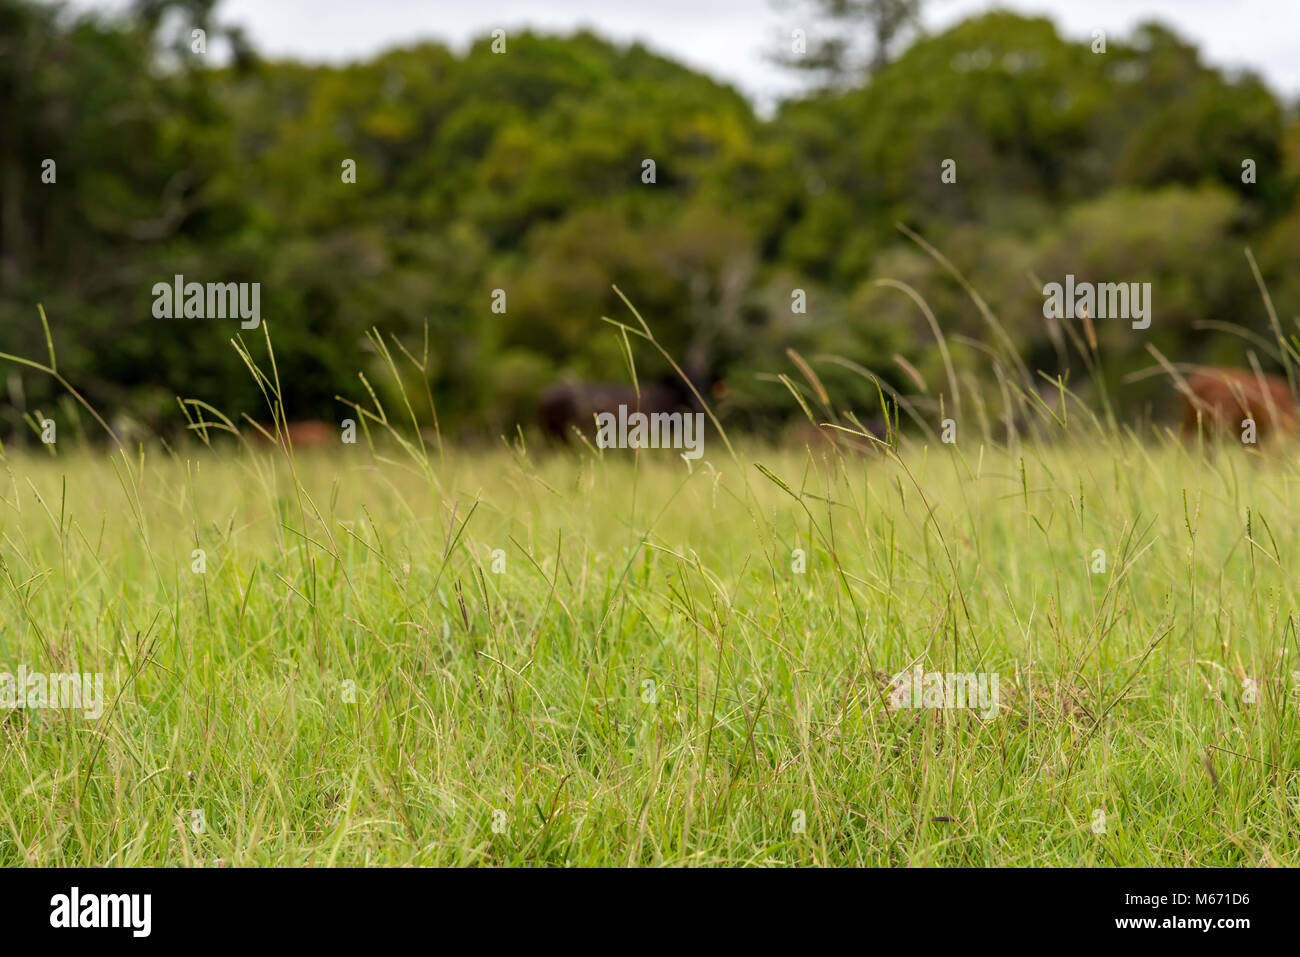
(728, 38)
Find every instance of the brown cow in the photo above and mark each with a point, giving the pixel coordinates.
(305, 434)
(1224, 398)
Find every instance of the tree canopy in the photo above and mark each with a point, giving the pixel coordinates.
(525, 171)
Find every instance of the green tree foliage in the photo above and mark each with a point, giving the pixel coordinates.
(524, 172)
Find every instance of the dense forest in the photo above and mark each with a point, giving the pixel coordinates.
(481, 206)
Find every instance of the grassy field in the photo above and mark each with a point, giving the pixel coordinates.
(611, 659)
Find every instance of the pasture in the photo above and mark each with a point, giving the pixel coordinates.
(526, 656)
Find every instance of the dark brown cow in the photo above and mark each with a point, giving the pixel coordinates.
(566, 405)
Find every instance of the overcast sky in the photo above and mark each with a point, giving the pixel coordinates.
(727, 38)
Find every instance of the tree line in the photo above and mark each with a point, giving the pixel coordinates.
(480, 207)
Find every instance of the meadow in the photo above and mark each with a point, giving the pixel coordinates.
(432, 638)
(387, 654)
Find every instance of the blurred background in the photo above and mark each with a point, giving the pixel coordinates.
(777, 168)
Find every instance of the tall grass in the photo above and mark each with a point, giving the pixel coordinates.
(399, 653)
(525, 689)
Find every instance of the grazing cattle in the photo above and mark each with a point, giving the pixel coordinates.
(1221, 399)
(305, 434)
(821, 436)
(801, 434)
(566, 405)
